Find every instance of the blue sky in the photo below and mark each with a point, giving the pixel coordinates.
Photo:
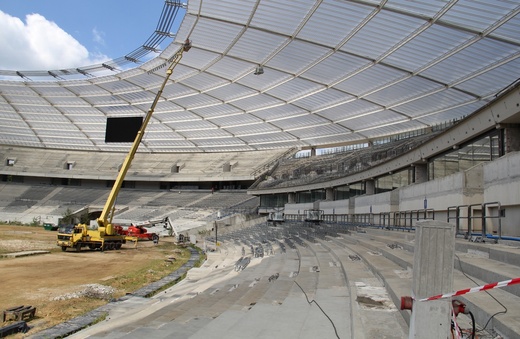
(57, 34)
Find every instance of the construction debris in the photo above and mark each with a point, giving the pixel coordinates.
(95, 291)
(19, 313)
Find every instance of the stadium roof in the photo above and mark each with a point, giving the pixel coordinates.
(334, 72)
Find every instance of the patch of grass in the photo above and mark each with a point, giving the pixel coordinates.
(20, 238)
(49, 314)
(154, 263)
(166, 286)
(155, 270)
(100, 318)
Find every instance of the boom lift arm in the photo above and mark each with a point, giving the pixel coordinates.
(105, 225)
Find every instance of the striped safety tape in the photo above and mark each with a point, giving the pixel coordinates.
(475, 289)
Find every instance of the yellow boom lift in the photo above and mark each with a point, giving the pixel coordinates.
(105, 236)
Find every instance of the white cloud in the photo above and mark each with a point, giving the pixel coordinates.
(99, 36)
(40, 44)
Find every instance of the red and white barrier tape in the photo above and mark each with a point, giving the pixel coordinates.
(475, 289)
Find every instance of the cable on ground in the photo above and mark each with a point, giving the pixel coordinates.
(472, 317)
(321, 309)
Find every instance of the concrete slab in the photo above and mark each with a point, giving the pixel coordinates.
(23, 254)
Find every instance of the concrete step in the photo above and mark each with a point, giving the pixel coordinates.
(373, 311)
(395, 277)
(487, 262)
(483, 305)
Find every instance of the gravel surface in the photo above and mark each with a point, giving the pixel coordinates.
(26, 245)
(95, 291)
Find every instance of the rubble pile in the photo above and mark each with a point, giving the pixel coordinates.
(15, 245)
(95, 291)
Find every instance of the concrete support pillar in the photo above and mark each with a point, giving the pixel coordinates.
(329, 194)
(291, 198)
(432, 275)
(352, 205)
(421, 173)
(512, 138)
(313, 151)
(370, 187)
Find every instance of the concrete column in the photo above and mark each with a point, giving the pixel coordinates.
(432, 275)
(352, 205)
(421, 173)
(370, 187)
(313, 151)
(512, 138)
(291, 198)
(329, 194)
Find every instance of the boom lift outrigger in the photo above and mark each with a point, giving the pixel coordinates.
(106, 235)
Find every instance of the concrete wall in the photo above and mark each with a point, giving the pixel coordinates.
(155, 167)
(380, 203)
(497, 181)
(334, 207)
(147, 185)
(501, 181)
(224, 226)
(439, 193)
(298, 208)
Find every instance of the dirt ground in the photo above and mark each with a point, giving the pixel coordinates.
(42, 280)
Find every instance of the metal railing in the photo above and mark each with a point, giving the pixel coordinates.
(408, 219)
(468, 215)
(468, 219)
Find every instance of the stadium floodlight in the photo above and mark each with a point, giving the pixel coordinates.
(259, 70)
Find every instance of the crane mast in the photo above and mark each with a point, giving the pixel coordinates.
(104, 224)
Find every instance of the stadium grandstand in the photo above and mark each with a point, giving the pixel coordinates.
(341, 115)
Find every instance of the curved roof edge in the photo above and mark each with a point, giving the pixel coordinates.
(503, 110)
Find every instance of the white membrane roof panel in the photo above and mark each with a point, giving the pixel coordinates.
(484, 84)
(323, 100)
(257, 45)
(374, 120)
(336, 67)
(275, 74)
(301, 55)
(452, 113)
(231, 68)
(231, 92)
(383, 130)
(271, 15)
(349, 110)
(235, 120)
(434, 103)
(382, 32)
(314, 132)
(280, 112)
(218, 35)
(295, 89)
(427, 47)
(322, 26)
(306, 121)
(371, 79)
(486, 54)
(478, 15)
(225, 110)
(31, 118)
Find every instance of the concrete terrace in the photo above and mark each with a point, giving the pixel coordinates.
(309, 282)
